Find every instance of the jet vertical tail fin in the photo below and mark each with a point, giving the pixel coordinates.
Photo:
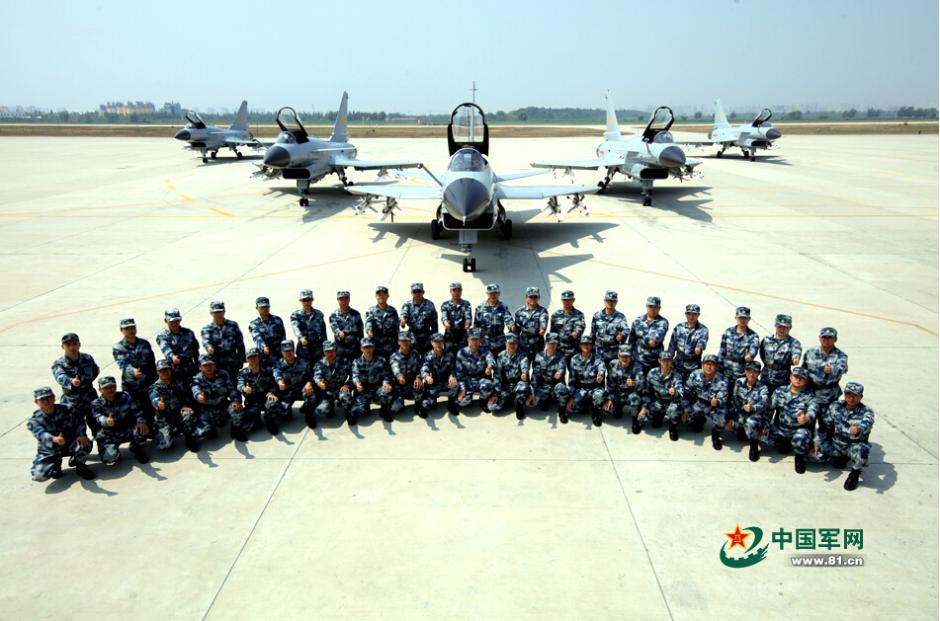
(720, 119)
(241, 118)
(340, 128)
(613, 128)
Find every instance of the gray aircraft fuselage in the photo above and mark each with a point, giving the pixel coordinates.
(312, 159)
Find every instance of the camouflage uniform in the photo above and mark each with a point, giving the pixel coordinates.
(470, 371)
(625, 399)
(182, 344)
(508, 385)
(605, 330)
(126, 416)
(842, 444)
(374, 377)
(777, 356)
(658, 402)
(544, 385)
(78, 398)
(257, 406)
(698, 394)
(758, 396)
(825, 387)
(178, 416)
(335, 377)
(563, 324)
(421, 319)
(219, 393)
(350, 323)
(641, 332)
(786, 407)
(440, 368)
(583, 387)
(682, 346)
(49, 455)
(228, 345)
(493, 321)
(295, 376)
(268, 333)
(735, 345)
(408, 365)
(460, 317)
(133, 356)
(383, 324)
(313, 328)
(530, 324)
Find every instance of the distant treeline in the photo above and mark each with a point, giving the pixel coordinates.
(532, 114)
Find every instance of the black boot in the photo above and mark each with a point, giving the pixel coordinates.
(352, 420)
(563, 414)
(213, 433)
(840, 462)
(238, 434)
(311, 419)
(742, 434)
(452, 408)
(520, 410)
(618, 412)
(191, 443)
(716, 439)
(851, 481)
(754, 453)
(56, 471)
(386, 414)
(635, 428)
(544, 405)
(484, 405)
(698, 424)
(799, 464)
(271, 426)
(596, 416)
(420, 410)
(673, 431)
(139, 454)
(84, 471)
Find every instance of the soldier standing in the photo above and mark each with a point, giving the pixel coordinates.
(75, 373)
(825, 366)
(346, 324)
(609, 329)
(688, 342)
(60, 432)
(419, 316)
(135, 358)
(493, 318)
(382, 324)
(531, 323)
(309, 327)
(779, 351)
(267, 331)
(568, 323)
(222, 339)
(648, 334)
(457, 317)
(179, 346)
(739, 345)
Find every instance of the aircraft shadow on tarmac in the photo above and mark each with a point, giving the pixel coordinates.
(665, 198)
(325, 201)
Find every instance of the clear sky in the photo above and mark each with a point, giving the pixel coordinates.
(419, 57)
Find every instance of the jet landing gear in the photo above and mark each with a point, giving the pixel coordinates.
(467, 239)
(721, 152)
(606, 181)
(647, 193)
(302, 186)
(214, 154)
(752, 155)
(504, 224)
(238, 153)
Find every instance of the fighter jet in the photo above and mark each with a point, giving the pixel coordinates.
(297, 155)
(759, 134)
(470, 193)
(643, 157)
(209, 139)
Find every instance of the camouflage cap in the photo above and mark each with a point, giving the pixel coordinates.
(69, 336)
(417, 286)
(742, 311)
(381, 289)
(128, 323)
(854, 388)
(474, 333)
(665, 355)
(42, 392)
(305, 294)
(437, 337)
(551, 337)
(753, 365)
(829, 331)
(610, 295)
(404, 335)
(586, 338)
(163, 364)
(107, 380)
(172, 314)
(206, 359)
(492, 288)
(342, 294)
(216, 306)
(329, 346)
(366, 342)
(262, 302)
(710, 358)
(532, 291)
(567, 295)
(625, 350)
(512, 338)
(693, 308)
(799, 372)
(785, 321)
(653, 300)
(456, 285)
(287, 345)
(253, 352)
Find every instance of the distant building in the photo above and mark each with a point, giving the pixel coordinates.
(126, 109)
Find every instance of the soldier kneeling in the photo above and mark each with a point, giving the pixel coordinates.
(60, 431)
(664, 396)
(851, 423)
(174, 414)
(121, 421)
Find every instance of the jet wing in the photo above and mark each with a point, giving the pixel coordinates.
(536, 192)
(520, 175)
(238, 142)
(347, 162)
(392, 190)
(702, 142)
(601, 162)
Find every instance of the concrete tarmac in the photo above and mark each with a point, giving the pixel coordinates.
(476, 516)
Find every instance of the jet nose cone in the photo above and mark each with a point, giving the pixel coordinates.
(466, 199)
(183, 134)
(672, 157)
(278, 157)
(773, 133)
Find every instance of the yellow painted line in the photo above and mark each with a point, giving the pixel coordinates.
(222, 213)
(186, 197)
(752, 292)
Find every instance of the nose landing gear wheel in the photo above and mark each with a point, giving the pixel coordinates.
(205, 160)
(215, 154)
(304, 202)
(506, 229)
(436, 228)
(469, 264)
(238, 155)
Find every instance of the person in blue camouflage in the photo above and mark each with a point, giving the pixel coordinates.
(470, 371)
(382, 324)
(135, 358)
(436, 376)
(688, 342)
(59, 432)
(332, 382)
(568, 324)
(119, 421)
(706, 399)
(750, 399)
(267, 331)
(779, 351)
(492, 318)
(456, 318)
(739, 345)
(852, 422)
(373, 384)
(294, 379)
(216, 397)
(548, 376)
(420, 316)
(174, 416)
(664, 395)
(405, 365)
(255, 384)
(586, 374)
(509, 370)
(346, 324)
(75, 373)
(793, 411)
(223, 340)
(531, 323)
(648, 334)
(609, 329)
(626, 384)
(825, 366)
(179, 346)
(309, 328)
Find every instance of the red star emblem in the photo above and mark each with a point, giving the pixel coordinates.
(737, 537)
